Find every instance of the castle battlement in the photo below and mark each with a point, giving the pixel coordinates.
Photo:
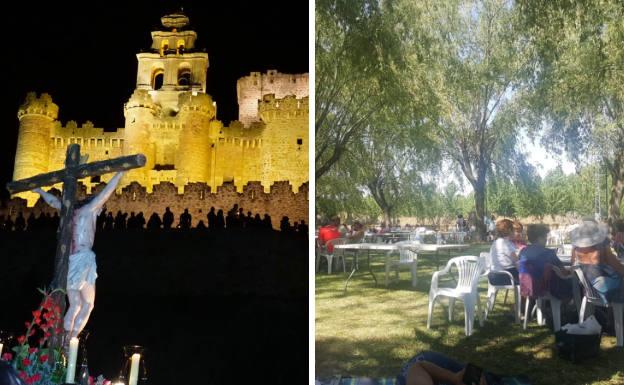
(42, 105)
(198, 102)
(289, 107)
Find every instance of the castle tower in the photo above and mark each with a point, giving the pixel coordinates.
(140, 113)
(285, 154)
(172, 65)
(251, 89)
(194, 159)
(36, 119)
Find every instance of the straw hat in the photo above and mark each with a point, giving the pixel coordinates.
(589, 233)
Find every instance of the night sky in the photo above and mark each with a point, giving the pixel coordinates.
(84, 54)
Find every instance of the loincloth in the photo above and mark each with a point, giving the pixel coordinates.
(82, 270)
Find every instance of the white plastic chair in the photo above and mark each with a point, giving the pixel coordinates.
(493, 289)
(331, 255)
(592, 297)
(407, 257)
(469, 268)
(555, 305)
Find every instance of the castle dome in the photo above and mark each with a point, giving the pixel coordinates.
(176, 20)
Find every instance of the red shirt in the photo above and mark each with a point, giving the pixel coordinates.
(327, 233)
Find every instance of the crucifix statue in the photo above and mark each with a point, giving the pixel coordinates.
(74, 263)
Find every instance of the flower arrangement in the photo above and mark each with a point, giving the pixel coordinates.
(33, 363)
(38, 364)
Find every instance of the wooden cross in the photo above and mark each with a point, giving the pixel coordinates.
(69, 177)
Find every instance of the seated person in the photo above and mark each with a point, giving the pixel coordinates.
(503, 255)
(601, 267)
(357, 232)
(518, 236)
(329, 232)
(431, 368)
(537, 252)
(538, 256)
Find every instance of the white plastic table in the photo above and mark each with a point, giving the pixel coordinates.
(436, 249)
(388, 247)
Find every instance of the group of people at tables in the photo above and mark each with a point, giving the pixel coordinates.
(334, 230)
(592, 249)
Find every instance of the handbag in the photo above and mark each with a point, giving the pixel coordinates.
(577, 347)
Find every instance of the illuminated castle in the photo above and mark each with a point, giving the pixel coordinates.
(172, 120)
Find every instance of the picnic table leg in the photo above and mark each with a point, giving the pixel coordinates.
(370, 268)
(355, 267)
(387, 266)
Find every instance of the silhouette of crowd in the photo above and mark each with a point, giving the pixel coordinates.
(234, 220)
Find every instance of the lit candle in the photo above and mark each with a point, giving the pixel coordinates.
(71, 360)
(134, 369)
(1, 345)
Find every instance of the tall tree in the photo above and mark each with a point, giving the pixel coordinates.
(361, 67)
(482, 64)
(578, 84)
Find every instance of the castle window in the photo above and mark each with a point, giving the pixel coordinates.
(180, 46)
(53, 142)
(299, 141)
(100, 142)
(158, 79)
(92, 143)
(164, 46)
(184, 77)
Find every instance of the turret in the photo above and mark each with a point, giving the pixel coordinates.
(36, 119)
(139, 112)
(193, 163)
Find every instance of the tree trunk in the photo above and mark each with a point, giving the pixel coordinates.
(479, 195)
(387, 216)
(617, 190)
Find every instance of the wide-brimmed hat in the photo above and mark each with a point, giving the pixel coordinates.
(589, 233)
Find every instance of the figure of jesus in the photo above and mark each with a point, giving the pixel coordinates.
(82, 270)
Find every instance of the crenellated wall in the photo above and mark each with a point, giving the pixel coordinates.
(251, 89)
(197, 197)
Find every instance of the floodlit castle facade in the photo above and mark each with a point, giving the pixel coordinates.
(172, 120)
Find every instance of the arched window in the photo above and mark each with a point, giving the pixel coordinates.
(158, 79)
(164, 46)
(184, 76)
(180, 46)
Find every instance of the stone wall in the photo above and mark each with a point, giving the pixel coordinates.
(251, 89)
(197, 197)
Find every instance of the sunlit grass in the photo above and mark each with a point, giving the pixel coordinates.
(372, 330)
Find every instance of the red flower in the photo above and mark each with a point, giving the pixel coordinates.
(23, 375)
(32, 350)
(36, 313)
(26, 362)
(47, 334)
(21, 340)
(36, 377)
(43, 358)
(27, 324)
(91, 381)
(7, 356)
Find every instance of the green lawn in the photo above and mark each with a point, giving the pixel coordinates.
(372, 331)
